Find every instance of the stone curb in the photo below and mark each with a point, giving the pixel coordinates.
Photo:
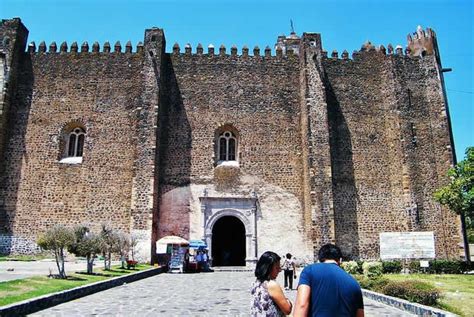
(30, 306)
(418, 309)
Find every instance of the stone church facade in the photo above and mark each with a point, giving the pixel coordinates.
(281, 150)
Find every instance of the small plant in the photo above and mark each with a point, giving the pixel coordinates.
(350, 267)
(413, 291)
(372, 269)
(391, 267)
(57, 239)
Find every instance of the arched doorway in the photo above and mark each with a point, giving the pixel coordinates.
(228, 242)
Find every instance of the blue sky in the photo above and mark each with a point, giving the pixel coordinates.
(342, 24)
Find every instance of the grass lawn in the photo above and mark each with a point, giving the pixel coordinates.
(18, 290)
(457, 290)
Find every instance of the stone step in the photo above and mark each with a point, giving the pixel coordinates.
(232, 269)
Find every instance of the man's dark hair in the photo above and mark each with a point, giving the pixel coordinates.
(265, 264)
(288, 255)
(329, 252)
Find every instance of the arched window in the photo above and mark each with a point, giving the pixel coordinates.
(227, 146)
(75, 143)
(72, 143)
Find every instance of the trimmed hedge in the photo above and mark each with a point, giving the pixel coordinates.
(391, 267)
(413, 291)
(440, 267)
(371, 268)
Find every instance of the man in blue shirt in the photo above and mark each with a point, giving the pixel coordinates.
(325, 289)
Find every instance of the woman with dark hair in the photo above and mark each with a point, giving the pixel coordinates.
(268, 297)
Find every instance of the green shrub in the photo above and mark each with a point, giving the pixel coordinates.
(350, 267)
(445, 267)
(373, 284)
(391, 267)
(414, 267)
(372, 269)
(360, 263)
(440, 267)
(413, 291)
(465, 267)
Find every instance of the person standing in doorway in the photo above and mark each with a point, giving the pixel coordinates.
(289, 270)
(327, 290)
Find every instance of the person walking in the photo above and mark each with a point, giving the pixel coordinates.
(268, 297)
(289, 270)
(199, 260)
(326, 290)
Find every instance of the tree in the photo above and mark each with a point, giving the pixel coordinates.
(87, 244)
(57, 239)
(133, 243)
(123, 246)
(110, 244)
(458, 195)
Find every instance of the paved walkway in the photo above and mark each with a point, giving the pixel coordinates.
(205, 294)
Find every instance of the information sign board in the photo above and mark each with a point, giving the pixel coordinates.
(407, 245)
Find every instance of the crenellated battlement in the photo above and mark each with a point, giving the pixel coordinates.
(368, 49)
(222, 52)
(85, 48)
(419, 44)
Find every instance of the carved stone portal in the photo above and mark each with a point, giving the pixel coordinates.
(244, 209)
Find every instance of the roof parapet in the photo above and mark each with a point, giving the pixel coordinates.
(85, 47)
(199, 49)
(63, 48)
(222, 50)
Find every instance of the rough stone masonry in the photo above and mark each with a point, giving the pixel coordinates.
(279, 150)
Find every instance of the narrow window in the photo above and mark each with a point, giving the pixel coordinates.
(222, 149)
(227, 146)
(231, 148)
(76, 142)
(72, 143)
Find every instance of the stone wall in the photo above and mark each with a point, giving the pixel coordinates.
(13, 35)
(97, 91)
(389, 139)
(258, 98)
(331, 149)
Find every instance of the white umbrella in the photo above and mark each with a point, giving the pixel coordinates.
(162, 244)
(172, 240)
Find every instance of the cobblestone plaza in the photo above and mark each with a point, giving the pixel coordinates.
(205, 294)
